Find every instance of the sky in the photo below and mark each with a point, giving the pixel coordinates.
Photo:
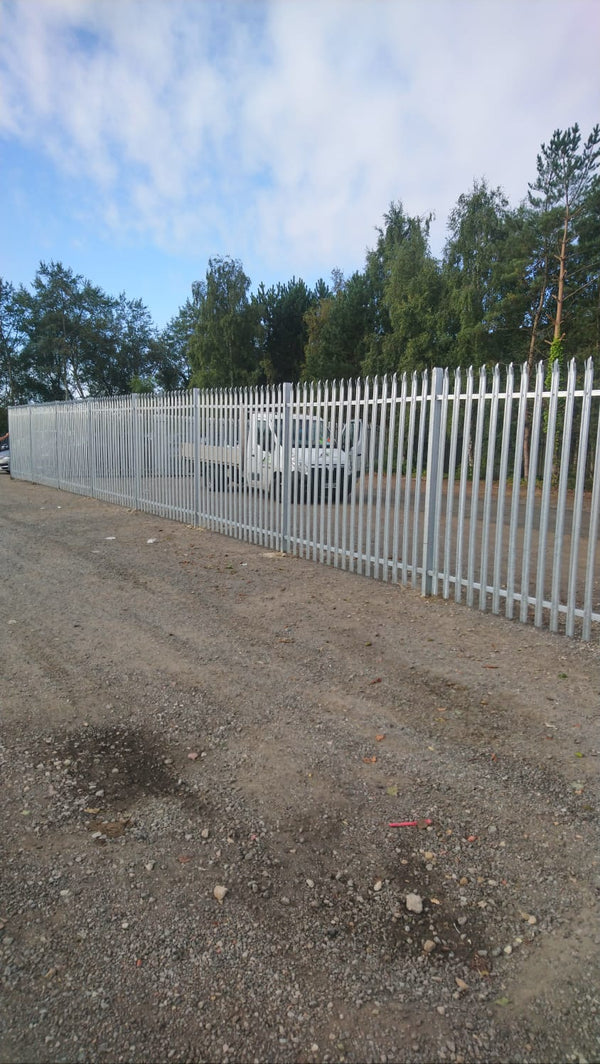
(140, 138)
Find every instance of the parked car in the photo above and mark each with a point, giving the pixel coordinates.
(4, 455)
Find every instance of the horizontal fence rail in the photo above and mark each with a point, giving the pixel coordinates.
(484, 488)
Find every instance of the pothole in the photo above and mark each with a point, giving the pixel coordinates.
(116, 763)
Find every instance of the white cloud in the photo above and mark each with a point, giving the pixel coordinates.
(286, 128)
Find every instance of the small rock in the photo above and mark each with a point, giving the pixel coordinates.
(428, 946)
(219, 893)
(414, 903)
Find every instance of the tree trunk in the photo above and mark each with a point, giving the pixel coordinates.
(530, 356)
(562, 259)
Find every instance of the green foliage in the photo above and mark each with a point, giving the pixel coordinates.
(141, 386)
(59, 319)
(564, 172)
(223, 350)
(65, 338)
(174, 371)
(564, 198)
(338, 327)
(413, 296)
(582, 299)
(132, 349)
(556, 351)
(16, 377)
(474, 272)
(283, 329)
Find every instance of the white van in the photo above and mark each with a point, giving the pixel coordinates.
(248, 449)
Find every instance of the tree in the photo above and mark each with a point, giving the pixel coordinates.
(174, 370)
(339, 326)
(224, 348)
(404, 284)
(284, 330)
(61, 321)
(15, 372)
(129, 348)
(413, 293)
(475, 258)
(583, 299)
(77, 341)
(381, 355)
(565, 178)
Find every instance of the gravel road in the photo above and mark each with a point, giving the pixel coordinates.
(203, 744)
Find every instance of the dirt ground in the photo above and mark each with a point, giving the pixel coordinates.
(203, 744)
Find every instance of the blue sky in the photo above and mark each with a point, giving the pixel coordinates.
(138, 138)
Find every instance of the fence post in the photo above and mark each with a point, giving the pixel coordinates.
(136, 448)
(592, 534)
(56, 450)
(196, 464)
(286, 472)
(91, 449)
(435, 470)
(30, 445)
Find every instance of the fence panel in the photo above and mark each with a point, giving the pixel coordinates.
(485, 491)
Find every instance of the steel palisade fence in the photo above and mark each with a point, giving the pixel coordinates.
(417, 479)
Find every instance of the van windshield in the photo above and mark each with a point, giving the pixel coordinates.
(309, 432)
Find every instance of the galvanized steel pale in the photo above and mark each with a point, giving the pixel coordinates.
(488, 492)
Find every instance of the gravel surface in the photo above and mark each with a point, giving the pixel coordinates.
(203, 744)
